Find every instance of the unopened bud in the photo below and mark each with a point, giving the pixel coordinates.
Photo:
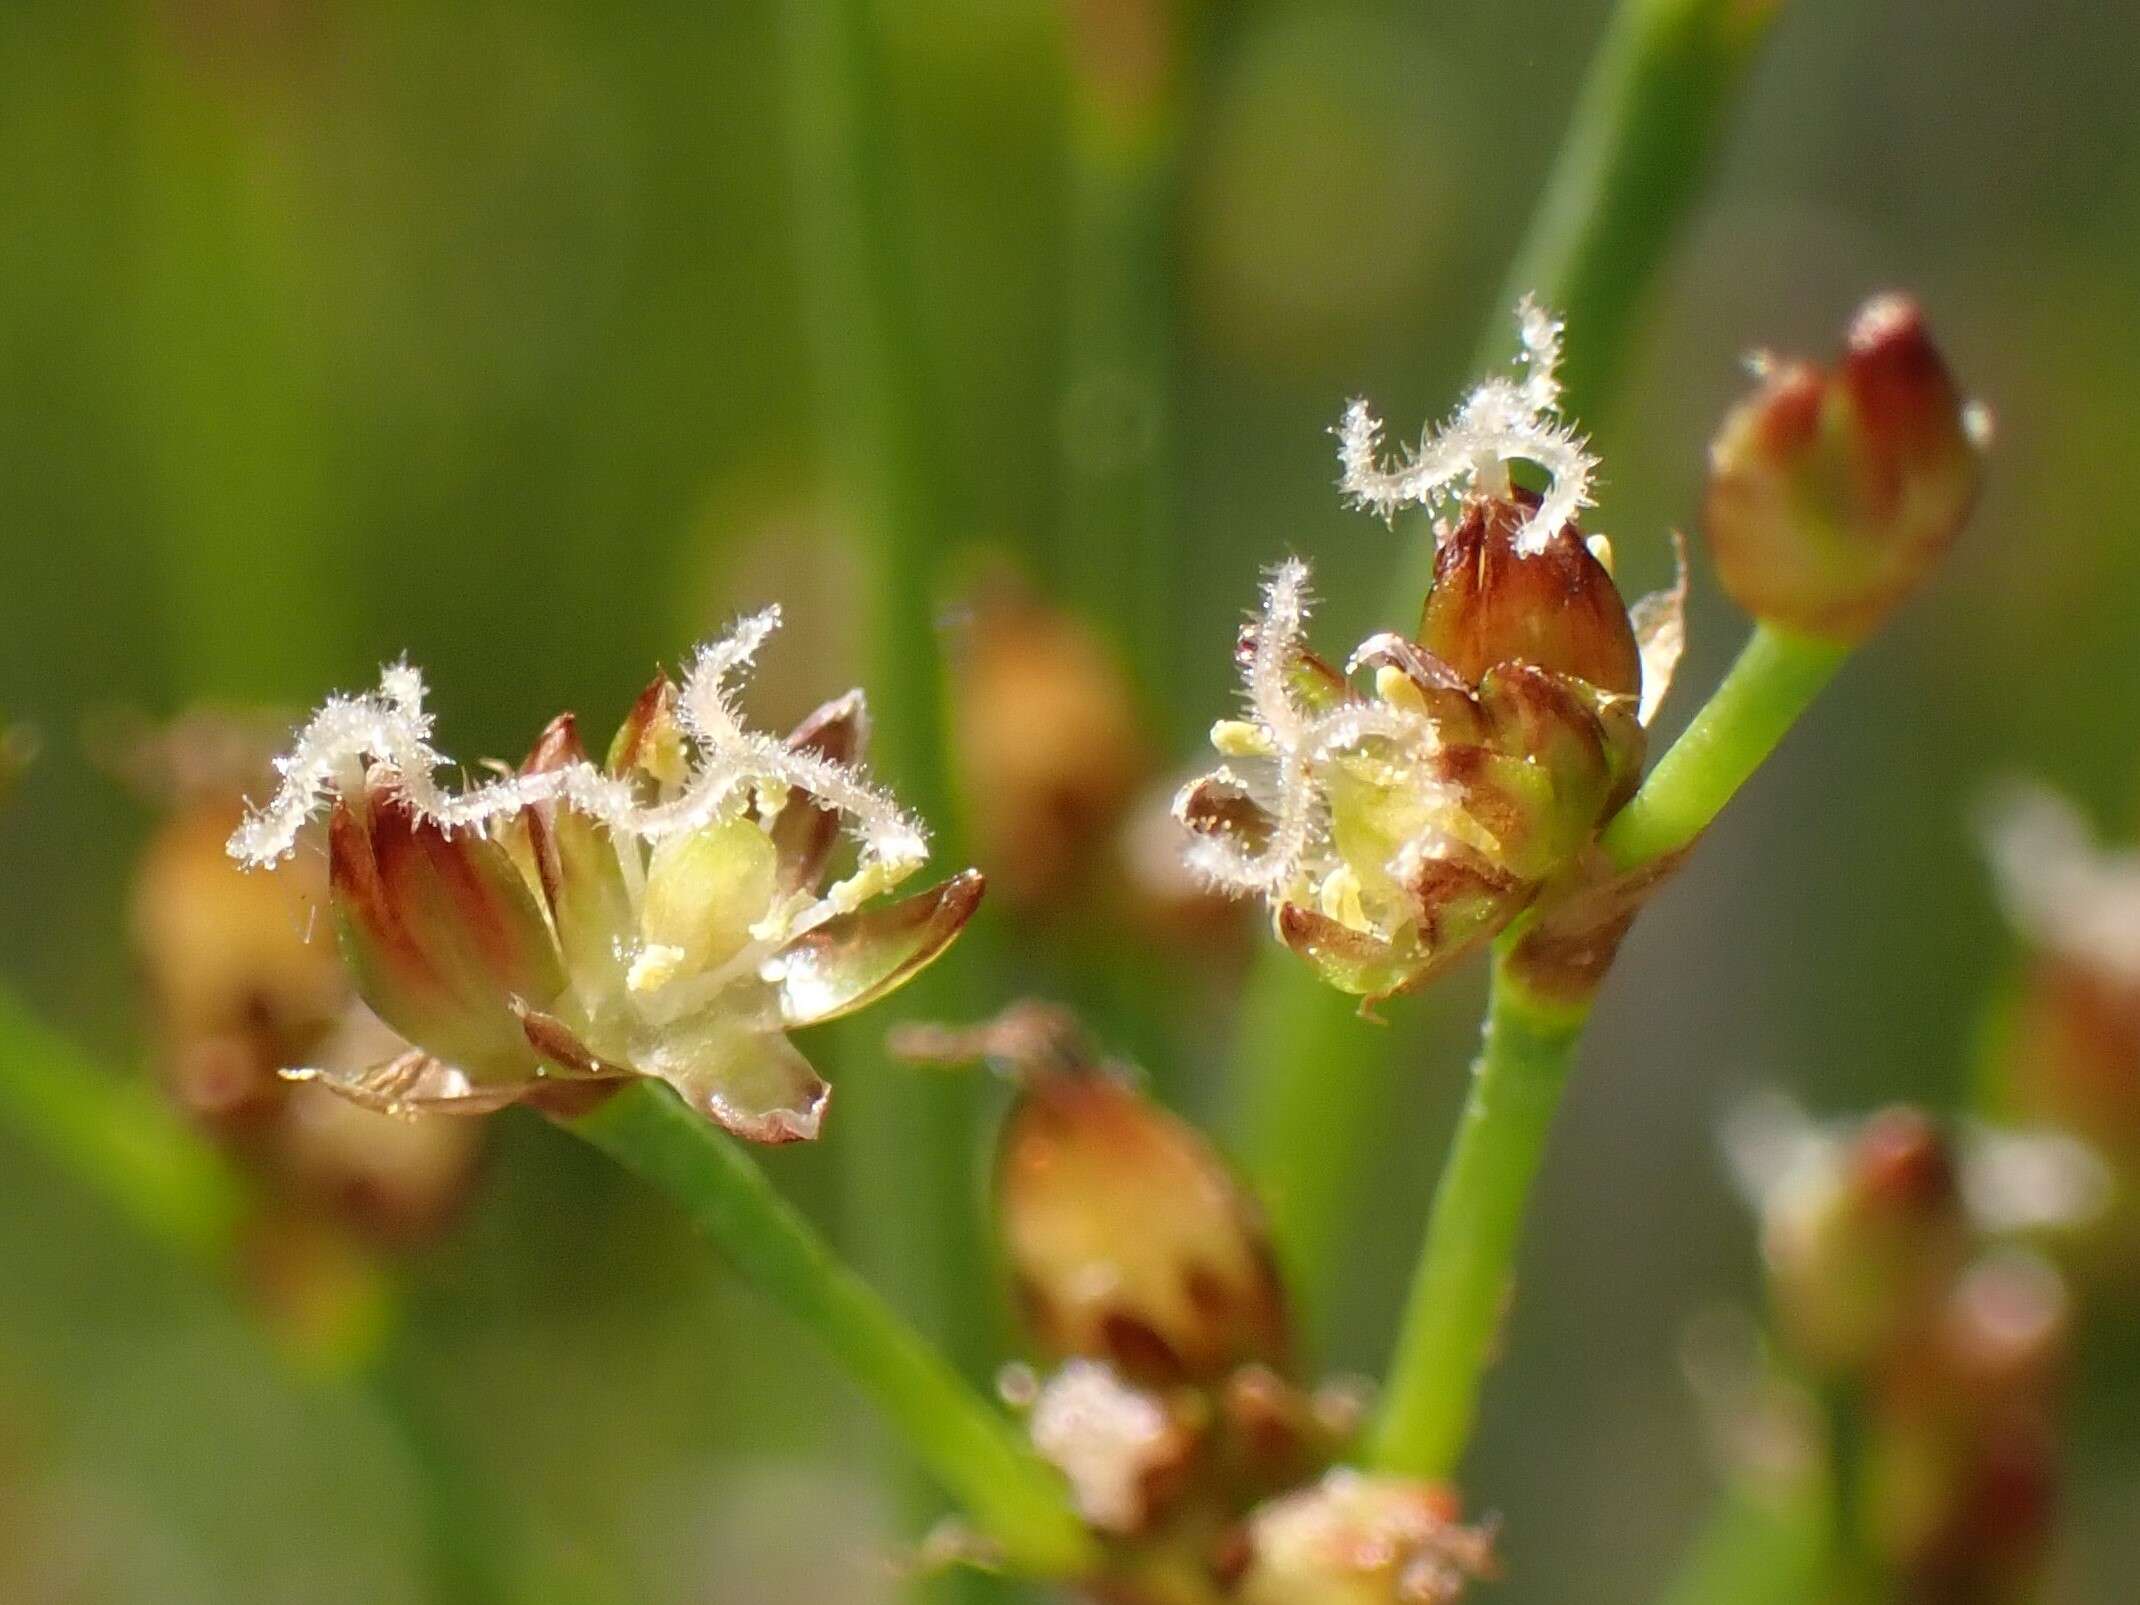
(1049, 746)
(1863, 1238)
(1127, 1238)
(1832, 492)
(1556, 609)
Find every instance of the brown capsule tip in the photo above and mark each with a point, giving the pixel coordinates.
(1557, 609)
(1902, 1160)
(1831, 493)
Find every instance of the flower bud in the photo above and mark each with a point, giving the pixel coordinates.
(1353, 1539)
(238, 990)
(1863, 1236)
(1961, 1472)
(1127, 1239)
(1049, 746)
(1833, 492)
(1556, 609)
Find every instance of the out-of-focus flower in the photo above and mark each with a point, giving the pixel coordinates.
(1121, 1448)
(1362, 1540)
(18, 750)
(568, 925)
(2065, 1053)
(1832, 492)
(1863, 1230)
(1391, 830)
(1049, 744)
(1947, 1342)
(1127, 1238)
(1962, 1460)
(238, 990)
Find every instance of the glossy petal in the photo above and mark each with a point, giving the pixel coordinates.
(1355, 962)
(754, 1082)
(1557, 610)
(853, 960)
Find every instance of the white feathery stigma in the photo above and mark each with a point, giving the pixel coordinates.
(390, 728)
(1505, 420)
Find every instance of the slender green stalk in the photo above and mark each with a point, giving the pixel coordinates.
(1760, 1546)
(122, 1142)
(970, 1447)
(1466, 1265)
(1640, 140)
(1125, 128)
(1466, 1268)
(884, 424)
(1775, 679)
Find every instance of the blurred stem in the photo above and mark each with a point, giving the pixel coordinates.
(1466, 1270)
(1649, 117)
(120, 1141)
(1775, 679)
(884, 424)
(1759, 1547)
(231, 377)
(970, 1447)
(123, 1143)
(1127, 74)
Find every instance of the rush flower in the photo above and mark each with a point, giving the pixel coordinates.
(663, 915)
(1353, 1539)
(1832, 492)
(1392, 827)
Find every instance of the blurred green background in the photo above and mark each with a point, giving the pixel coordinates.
(484, 332)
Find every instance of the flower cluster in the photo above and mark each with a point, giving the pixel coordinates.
(660, 915)
(1391, 828)
(1896, 1287)
(1167, 1394)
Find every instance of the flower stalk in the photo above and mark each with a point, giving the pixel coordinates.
(1014, 1500)
(1631, 165)
(1460, 1291)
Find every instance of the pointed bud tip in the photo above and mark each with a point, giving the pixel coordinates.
(1833, 492)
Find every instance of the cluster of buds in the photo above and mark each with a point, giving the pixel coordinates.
(1902, 1298)
(1392, 828)
(568, 926)
(238, 991)
(1832, 492)
(1165, 1388)
(2066, 1054)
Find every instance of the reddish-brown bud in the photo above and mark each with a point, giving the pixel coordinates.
(1127, 1238)
(1049, 745)
(1556, 610)
(1832, 492)
(1863, 1239)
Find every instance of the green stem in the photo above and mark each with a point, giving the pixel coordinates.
(885, 426)
(121, 1141)
(1760, 1546)
(1466, 1269)
(970, 1447)
(1649, 117)
(1775, 679)
(1124, 147)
